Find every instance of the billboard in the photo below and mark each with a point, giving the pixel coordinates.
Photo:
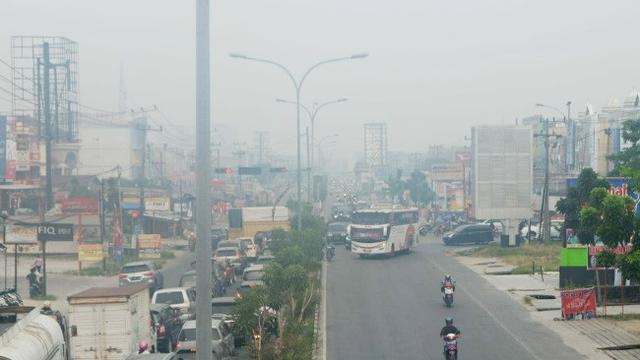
(619, 186)
(90, 252)
(502, 175)
(149, 246)
(21, 234)
(80, 205)
(578, 304)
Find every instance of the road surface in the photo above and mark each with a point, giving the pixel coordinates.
(391, 308)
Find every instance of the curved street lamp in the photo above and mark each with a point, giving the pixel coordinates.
(297, 84)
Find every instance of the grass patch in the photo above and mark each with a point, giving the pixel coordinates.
(166, 254)
(545, 255)
(49, 297)
(527, 300)
(180, 247)
(625, 317)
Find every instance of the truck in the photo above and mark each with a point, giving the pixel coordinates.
(107, 323)
(34, 337)
(247, 221)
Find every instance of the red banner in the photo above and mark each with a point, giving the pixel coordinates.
(578, 304)
(80, 205)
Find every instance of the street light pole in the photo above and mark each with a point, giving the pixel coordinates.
(298, 87)
(312, 117)
(203, 164)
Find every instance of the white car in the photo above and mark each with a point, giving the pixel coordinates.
(556, 231)
(181, 298)
(222, 342)
(249, 247)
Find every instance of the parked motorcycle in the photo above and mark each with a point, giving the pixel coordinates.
(451, 347)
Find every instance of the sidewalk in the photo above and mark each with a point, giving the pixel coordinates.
(593, 338)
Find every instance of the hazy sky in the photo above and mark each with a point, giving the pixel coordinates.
(435, 67)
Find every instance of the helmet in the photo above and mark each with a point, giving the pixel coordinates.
(448, 320)
(143, 346)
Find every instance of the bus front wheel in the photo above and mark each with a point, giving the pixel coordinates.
(393, 250)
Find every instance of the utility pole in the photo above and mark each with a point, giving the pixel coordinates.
(545, 234)
(308, 167)
(47, 124)
(102, 225)
(203, 164)
(181, 206)
(572, 127)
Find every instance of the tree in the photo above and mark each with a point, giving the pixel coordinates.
(578, 197)
(628, 158)
(419, 190)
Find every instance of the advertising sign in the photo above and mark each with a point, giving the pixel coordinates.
(90, 252)
(595, 250)
(446, 172)
(157, 204)
(149, 246)
(80, 205)
(55, 232)
(21, 234)
(578, 304)
(619, 187)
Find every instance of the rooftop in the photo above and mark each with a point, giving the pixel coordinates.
(106, 292)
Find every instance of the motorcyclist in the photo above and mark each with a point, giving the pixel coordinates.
(143, 347)
(449, 329)
(447, 282)
(331, 252)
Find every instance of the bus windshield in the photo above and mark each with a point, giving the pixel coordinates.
(370, 218)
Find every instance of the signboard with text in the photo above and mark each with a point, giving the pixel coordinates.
(619, 186)
(55, 232)
(80, 205)
(90, 252)
(595, 250)
(149, 246)
(21, 234)
(578, 304)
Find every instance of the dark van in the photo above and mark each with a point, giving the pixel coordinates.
(469, 234)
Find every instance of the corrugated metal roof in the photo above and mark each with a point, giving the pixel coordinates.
(99, 292)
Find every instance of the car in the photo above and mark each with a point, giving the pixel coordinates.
(249, 247)
(231, 254)
(222, 340)
(141, 272)
(188, 280)
(556, 231)
(469, 234)
(497, 224)
(252, 277)
(180, 298)
(263, 238)
(166, 325)
(263, 259)
(337, 232)
(222, 305)
(154, 356)
(218, 233)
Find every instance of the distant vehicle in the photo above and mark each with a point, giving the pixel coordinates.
(141, 272)
(167, 324)
(249, 247)
(180, 298)
(337, 232)
(231, 254)
(252, 277)
(222, 341)
(469, 234)
(154, 356)
(556, 230)
(218, 233)
(263, 238)
(263, 259)
(188, 280)
(383, 231)
(222, 305)
(497, 224)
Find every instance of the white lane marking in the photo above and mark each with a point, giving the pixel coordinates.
(323, 311)
(513, 336)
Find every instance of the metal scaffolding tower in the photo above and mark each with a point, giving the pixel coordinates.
(27, 60)
(375, 144)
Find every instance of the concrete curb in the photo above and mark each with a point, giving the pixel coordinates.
(319, 329)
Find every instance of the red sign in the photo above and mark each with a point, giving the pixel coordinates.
(80, 205)
(595, 250)
(578, 304)
(463, 156)
(134, 215)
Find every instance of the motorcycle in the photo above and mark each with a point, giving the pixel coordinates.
(447, 296)
(451, 347)
(331, 252)
(424, 229)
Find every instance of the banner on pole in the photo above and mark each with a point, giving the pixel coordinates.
(578, 304)
(90, 252)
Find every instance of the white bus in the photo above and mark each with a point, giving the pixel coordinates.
(383, 231)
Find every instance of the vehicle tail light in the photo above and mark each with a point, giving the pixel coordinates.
(162, 331)
(122, 276)
(148, 273)
(178, 346)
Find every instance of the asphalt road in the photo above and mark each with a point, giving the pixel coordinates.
(391, 308)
